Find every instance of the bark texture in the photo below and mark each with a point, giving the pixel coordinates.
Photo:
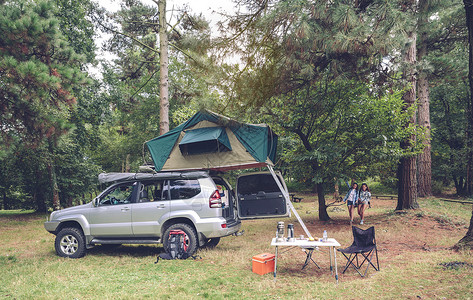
(407, 169)
(424, 163)
(163, 72)
(323, 215)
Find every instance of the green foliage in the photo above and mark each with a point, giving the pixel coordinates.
(448, 66)
(132, 81)
(38, 70)
(43, 100)
(76, 27)
(339, 129)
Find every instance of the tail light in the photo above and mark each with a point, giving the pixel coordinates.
(215, 200)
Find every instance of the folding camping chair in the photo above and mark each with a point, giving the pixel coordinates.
(364, 244)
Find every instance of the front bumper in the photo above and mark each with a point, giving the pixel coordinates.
(51, 226)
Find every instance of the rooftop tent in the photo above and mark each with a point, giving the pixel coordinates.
(212, 141)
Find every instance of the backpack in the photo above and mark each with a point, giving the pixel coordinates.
(176, 247)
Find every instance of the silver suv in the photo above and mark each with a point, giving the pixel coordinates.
(143, 208)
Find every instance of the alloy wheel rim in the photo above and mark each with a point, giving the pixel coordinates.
(69, 244)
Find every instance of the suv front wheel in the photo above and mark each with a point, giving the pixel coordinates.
(190, 239)
(70, 242)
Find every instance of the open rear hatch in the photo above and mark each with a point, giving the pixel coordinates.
(258, 196)
(228, 200)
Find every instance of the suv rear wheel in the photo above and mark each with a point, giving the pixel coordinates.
(70, 242)
(190, 239)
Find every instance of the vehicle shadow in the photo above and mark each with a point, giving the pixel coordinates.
(126, 250)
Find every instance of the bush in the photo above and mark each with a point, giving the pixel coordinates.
(381, 188)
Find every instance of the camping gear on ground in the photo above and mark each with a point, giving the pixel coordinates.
(263, 263)
(177, 247)
(364, 244)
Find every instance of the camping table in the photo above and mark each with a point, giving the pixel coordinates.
(309, 247)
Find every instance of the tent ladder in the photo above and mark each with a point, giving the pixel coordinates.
(288, 201)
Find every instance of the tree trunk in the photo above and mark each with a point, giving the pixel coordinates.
(336, 193)
(425, 160)
(38, 195)
(467, 240)
(319, 187)
(50, 165)
(407, 189)
(127, 163)
(6, 204)
(323, 215)
(407, 181)
(424, 164)
(53, 182)
(163, 71)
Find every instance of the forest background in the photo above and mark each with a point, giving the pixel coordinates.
(361, 89)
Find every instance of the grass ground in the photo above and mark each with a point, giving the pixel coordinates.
(412, 247)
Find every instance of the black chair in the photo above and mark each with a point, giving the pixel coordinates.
(364, 244)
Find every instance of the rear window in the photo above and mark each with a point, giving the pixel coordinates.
(252, 184)
(184, 188)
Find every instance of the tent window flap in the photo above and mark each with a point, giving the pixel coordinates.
(205, 140)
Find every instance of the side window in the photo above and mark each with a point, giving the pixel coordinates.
(184, 188)
(151, 191)
(121, 194)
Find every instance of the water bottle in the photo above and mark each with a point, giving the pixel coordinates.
(290, 232)
(324, 238)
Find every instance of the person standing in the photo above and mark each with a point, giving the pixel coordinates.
(351, 199)
(363, 201)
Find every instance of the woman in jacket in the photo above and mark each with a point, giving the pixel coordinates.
(363, 201)
(351, 199)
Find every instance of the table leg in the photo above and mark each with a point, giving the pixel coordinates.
(275, 262)
(335, 259)
(330, 254)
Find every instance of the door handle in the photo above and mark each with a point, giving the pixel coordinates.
(125, 209)
(161, 206)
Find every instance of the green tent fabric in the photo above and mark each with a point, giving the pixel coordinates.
(257, 140)
(205, 140)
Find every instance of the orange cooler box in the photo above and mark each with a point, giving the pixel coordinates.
(263, 263)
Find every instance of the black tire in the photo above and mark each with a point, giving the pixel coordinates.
(191, 237)
(70, 242)
(211, 243)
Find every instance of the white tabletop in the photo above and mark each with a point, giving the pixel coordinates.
(305, 243)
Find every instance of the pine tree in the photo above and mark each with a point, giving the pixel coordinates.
(38, 71)
(467, 240)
